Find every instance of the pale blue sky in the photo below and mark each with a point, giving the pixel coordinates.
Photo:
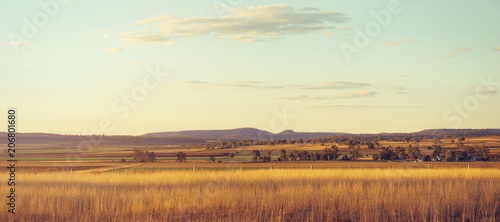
(232, 68)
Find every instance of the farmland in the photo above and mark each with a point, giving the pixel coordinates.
(104, 183)
(69, 151)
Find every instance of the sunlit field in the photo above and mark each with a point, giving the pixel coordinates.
(260, 195)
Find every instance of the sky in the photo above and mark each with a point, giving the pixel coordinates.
(135, 67)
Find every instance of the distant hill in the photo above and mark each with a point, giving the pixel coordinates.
(244, 133)
(252, 133)
(240, 133)
(459, 132)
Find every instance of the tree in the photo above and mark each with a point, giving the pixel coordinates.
(413, 152)
(483, 152)
(461, 139)
(255, 155)
(386, 154)
(137, 155)
(181, 157)
(283, 155)
(437, 151)
(212, 158)
(268, 157)
(427, 158)
(375, 156)
(463, 156)
(144, 156)
(317, 156)
(152, 156)
(400, 153)
(471, 151)
(331, 153)
(370, 145)
(356, 153)
(303, 155)
(450, 155)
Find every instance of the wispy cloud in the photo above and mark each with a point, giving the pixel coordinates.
(364, 93)
(142, 37)
(303, 97)
(250, 84)
(265, 85)
(363, 107)
(399, 90)
(496, 49)
(455, 53)
(338, 85)
(487, 92)
(235, 84)
(402, 92)
(395, 43)
(190, 82)
(115, 49)
(390, 43)
(19, 43)
(253, 24)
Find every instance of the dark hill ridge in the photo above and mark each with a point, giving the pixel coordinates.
(243, 133)
(252, 133)
(240, 133)
(459, 132)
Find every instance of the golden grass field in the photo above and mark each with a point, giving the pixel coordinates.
(260, 195)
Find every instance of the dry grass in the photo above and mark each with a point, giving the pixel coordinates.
(261, 195)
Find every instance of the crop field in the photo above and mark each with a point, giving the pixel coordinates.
(444, 194)
(110, 152)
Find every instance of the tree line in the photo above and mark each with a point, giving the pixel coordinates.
(328, 154)
(464, 153)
